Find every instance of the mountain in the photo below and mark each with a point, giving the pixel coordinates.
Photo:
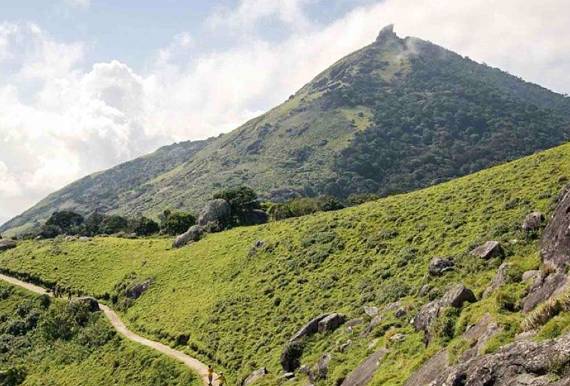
(397, 115)
(238, 297)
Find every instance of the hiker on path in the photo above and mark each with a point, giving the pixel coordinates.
(210, 375)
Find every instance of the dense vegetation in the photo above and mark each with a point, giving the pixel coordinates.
(394, 116)
(44, 342)
(239, 295)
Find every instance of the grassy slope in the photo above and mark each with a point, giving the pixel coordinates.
(95, 356)
(240, 305)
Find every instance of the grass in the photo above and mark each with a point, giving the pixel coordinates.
(240, 304)
(91, 354)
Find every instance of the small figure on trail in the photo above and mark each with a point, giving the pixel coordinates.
(210, 375)
(222, 379)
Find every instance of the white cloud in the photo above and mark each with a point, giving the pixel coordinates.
(59, 121)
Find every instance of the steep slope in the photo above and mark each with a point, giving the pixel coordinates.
(240, 295)
(394, 116)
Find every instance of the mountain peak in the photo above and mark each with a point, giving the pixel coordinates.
(387, 33)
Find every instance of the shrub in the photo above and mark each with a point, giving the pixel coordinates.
(242, 200)
(144, 226)
(175, 223)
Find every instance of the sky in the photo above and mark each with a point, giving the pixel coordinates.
(87, 84)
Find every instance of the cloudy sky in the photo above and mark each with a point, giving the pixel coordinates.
(86, 84)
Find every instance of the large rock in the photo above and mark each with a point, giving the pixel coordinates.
(499, 279)
(555, 248)
(533, 222)
(489, 250)
(555, 255)
(136, 290)
(255, 376)
(478, 335)
(331, 322)
(291, 356)
(438, 266)
(191, 235)
(521, 363)
(321, 370)
(215, 215)
(364, 373)
(7, 244)
(454, 297)
(312, 327)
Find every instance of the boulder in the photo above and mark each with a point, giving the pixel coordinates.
(215, 215)
(438, 266)
(291, 356)
(400, 313)
(322, 367)
(344, 346)
(7, 244)
(331, 322)
(555, 244)
(454, 297)
(531, 277)
(544, 289)
(533, 222)
(499, 279)
(429, 371)
(255, 376)
(489, 250)
(312, 327)
(364, 373)
(136, 290)
(371, 311)
(521, 363)
(88, 302)
(191, 235)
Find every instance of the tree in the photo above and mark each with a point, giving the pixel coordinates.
(243, 200)
(175, 223)
(144, 226)
(93, 223)
(67, 221)
(114, 224)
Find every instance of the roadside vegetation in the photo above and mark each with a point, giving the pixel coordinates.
(52, 342)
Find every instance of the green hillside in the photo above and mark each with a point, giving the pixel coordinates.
(57, 344)
(240, 295)
(397, 115)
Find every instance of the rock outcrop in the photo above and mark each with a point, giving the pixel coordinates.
(191, 235)
(454, 297)
(291, 356)
(499, 279)
(7, 244)
(365, 372)
(135, 291)
(489, 250)
(255, 376)
(521, 363)
(312, 327)
(331, 322)
(533, 222)
(438, 266)
(555, 255)
(215, 215)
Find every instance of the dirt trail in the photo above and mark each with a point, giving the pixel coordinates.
(192, 363)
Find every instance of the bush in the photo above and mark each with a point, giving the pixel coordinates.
(114, 224)
(175, 223)
(67, 221)
(143, 226)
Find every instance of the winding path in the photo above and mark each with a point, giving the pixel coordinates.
(192, 363)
